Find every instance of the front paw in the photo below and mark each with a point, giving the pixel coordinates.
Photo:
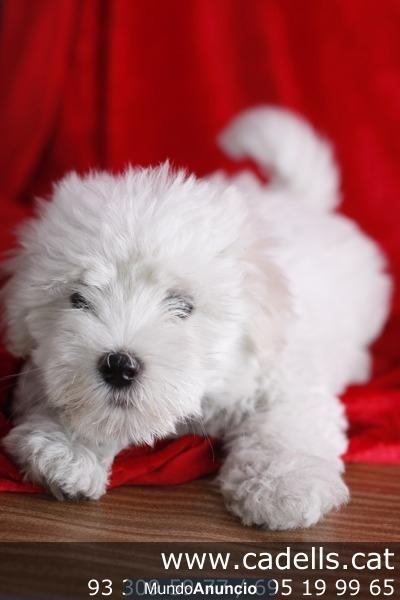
(81, 477)
(68, 471)
(286, 494)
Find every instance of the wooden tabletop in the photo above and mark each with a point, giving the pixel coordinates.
(195, 512)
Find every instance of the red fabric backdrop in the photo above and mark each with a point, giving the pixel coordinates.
(97, 83)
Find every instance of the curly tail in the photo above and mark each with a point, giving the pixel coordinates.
(289, 149)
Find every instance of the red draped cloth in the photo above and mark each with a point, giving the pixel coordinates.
(97, 83)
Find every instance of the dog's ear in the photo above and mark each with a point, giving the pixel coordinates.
(268, 301)
(14, 298)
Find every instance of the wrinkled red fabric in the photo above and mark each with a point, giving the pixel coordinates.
(101, 84)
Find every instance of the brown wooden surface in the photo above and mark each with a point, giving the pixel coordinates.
(195, 511)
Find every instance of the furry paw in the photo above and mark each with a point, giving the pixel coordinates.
(82, 478)
(289, 494)
(68, 471)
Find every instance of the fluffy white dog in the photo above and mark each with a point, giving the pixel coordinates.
(149, 301)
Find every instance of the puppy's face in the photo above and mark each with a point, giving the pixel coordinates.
(125, 356)
(132, 298)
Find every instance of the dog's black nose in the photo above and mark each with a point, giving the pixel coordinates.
(119, 369)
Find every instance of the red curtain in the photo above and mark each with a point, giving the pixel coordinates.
(100, 83)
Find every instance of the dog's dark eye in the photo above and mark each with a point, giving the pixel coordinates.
(180, 305)
(78, 301)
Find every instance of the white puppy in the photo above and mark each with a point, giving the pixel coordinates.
(149, 301)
